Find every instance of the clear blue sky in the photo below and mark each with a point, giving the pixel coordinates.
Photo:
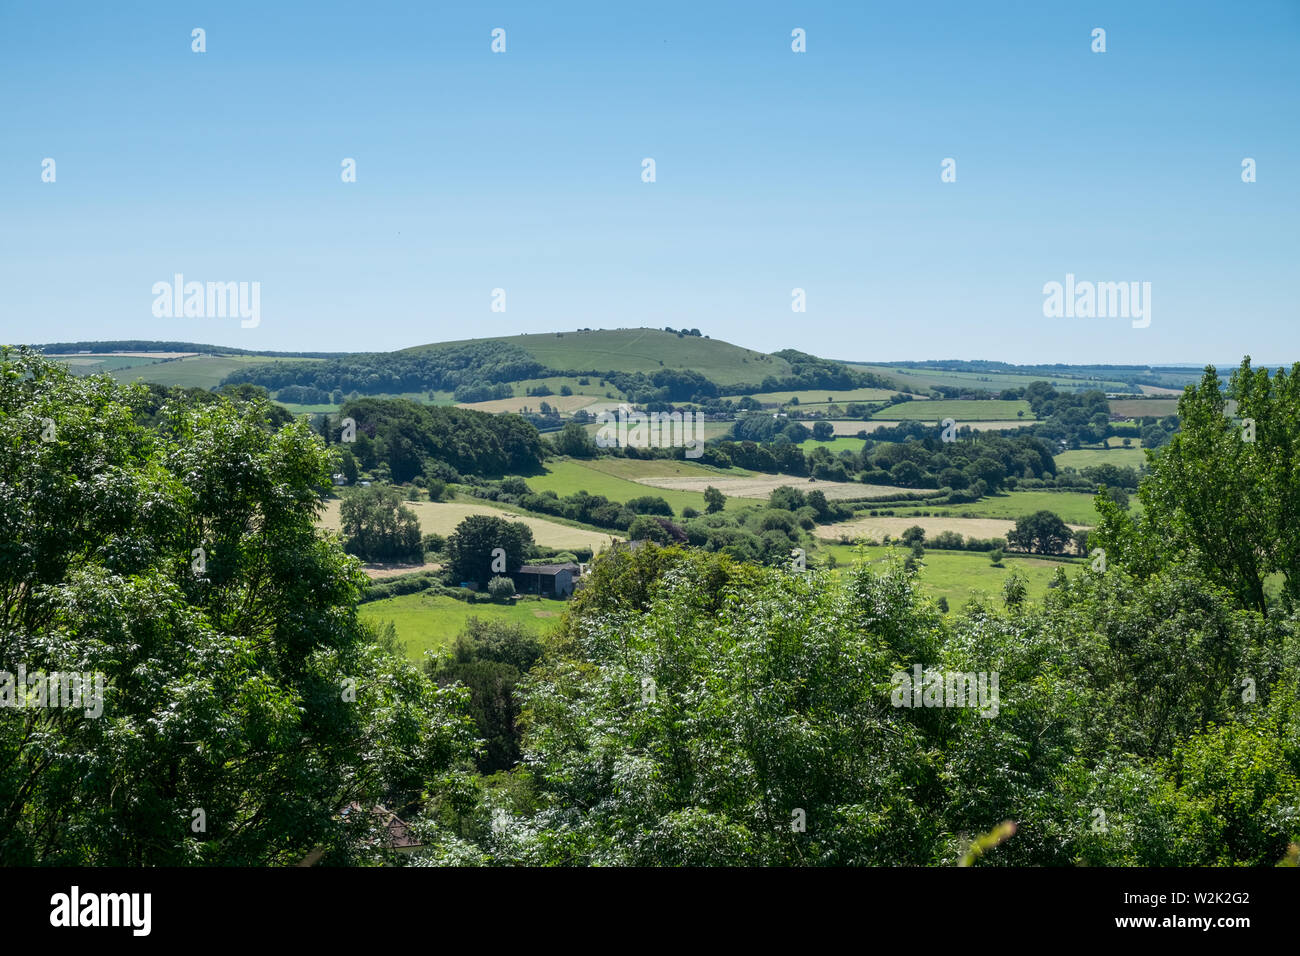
(775, 170)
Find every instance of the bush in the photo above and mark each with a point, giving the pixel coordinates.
(501, 588)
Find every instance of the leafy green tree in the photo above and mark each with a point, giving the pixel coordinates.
(470, 547)
(574, 441)
(714, 500)
(646, 528)
(1043, 531)
(490, 658)
(245, 706)
(1225, 492)
(501, 588)
(1014, 589)
(376, 526)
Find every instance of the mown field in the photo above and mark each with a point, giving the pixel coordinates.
(427, 622)
(1074, 507)
(850, 427)
(920, 379)
(959, 575)
(963, 411)
(1132, 457)
(1144, 407)
(569, 476)
(199, 371)
(813, 396)
(442, 517)
(834, 446)
(648, 350)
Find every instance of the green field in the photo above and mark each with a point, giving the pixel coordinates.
(645, 350)
(570, 476)
(957, 575)
(1121, 457)
(962, 410)
(1144, 407)
(921, 379)
(834, 446)
(201, 371)
(815, 396)
(1074, 507)
(426, 621)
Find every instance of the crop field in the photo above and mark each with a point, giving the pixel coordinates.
(636, 468)
(426, 622)
(1160, 391)
(1144, 407)
(648, 350)
(566, 404)
(1074, 507)
(198, 371)
(920, 379)
(567, 477)
(834, 446)
(850, 427)
(760, 486)
(959, 575)
(825, 396)
(876, 528)
(1090, 457)
(964, 411)
(442, 517)
(709, 430)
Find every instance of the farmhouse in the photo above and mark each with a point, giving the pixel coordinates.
(549, 580)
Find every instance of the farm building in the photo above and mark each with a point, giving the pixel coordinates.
(548, 580)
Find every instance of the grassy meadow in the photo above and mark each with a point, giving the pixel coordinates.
(426, 622)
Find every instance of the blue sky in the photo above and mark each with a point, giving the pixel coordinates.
(775, 170)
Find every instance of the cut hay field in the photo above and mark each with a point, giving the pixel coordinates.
(964, 411)
(567, 404)
(1161, 391)
(1091, 457)
(813, 396)
(1144, 407)
(849, 427)
(427, 622)
(634, 468)
(442, 517)
(876, 528)
(920, 379)
(709, 430)
(1074, 507)
(959, 575)
(760, 486)
(198, 371)
(569, 476)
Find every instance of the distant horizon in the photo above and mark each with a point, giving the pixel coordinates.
(846, 361)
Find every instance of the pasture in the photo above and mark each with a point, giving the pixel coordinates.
(1144, 407)
(426, 622)
(1121, 457)
(960, 575)
(964, 411)
(1074, 507)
